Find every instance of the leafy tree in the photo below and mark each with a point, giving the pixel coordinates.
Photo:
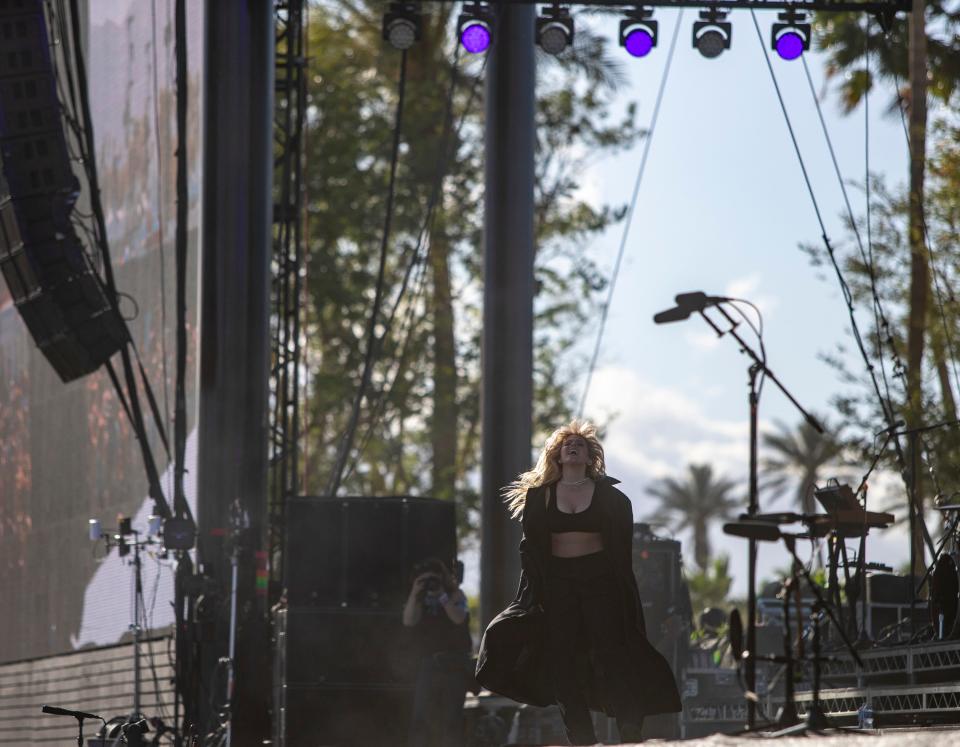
(710, 586)
(921, 56)
(797, 457)
(694, 504)
(419, 429)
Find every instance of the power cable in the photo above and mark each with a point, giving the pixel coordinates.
(880, 321)
(347, 440)
(416, 259)
(925, 451)
(180, 506)
(927, 243)
(844, 287)
(629, 217)
(87, 143)
(160, 220)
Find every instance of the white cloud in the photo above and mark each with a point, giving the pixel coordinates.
(751, 288)
(658, 430)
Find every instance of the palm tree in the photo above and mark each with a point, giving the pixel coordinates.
(694, 504)
(798, 456)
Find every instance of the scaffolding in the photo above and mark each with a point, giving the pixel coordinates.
(287, 274)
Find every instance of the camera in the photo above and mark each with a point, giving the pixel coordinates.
(432, 584)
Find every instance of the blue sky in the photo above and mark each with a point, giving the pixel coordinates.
(722, 209)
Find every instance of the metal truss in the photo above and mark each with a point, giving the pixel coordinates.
(286, 272)
(927, 659)
(905, 700)
(881, 7)
(894, 693)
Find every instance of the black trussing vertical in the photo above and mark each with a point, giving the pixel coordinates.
(235, 344)
(508, 295)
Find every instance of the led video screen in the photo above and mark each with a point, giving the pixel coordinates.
(67, 451)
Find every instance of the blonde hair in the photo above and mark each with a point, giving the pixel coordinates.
(548, 469)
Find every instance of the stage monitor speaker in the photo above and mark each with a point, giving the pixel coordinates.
(888, 605)
(51, 279)
(359, 552)
(657, 568)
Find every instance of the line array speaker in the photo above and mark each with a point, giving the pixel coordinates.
(51, 279)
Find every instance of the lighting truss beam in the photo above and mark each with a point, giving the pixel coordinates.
(879, 7)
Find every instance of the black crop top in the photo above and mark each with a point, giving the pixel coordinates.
(559, 521)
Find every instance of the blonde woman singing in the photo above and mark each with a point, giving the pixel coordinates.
(575, 633)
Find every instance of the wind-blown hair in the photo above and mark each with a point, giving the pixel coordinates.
(548, 468)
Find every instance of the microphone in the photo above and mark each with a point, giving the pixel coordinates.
(687, 303)
(53, 710)
(755, 530)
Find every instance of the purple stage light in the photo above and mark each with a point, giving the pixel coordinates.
(475, 38)
(789, 45)
(638, 42)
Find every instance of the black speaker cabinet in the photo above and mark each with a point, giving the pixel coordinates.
(343, 647)
(343, 666)
(314, 716)
(341, 677)
(358, 553)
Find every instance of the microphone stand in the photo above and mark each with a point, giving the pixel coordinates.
(816, 720)
(756, 367)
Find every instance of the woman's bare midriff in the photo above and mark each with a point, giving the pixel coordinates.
(575, 544)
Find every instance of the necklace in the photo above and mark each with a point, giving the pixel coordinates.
(575, 484)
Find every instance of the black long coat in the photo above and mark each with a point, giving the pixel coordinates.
(512, 659)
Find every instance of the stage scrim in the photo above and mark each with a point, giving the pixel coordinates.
(67, 452)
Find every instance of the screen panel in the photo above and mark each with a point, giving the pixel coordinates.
(67, 452)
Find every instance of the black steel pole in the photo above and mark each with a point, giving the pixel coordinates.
(752, 559)
(235, 346)
(508, 296)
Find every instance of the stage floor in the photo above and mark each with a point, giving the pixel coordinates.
(930, 736)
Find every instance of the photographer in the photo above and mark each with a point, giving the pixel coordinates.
(436, 613)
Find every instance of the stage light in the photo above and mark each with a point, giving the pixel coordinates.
(554, 30)
(711, 34)
(401, 25)
(475, 28)
(791, 37)
(638, 32)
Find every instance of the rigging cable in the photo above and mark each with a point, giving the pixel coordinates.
(925, 451)
(845, 289)
(416, 260)
(347, 440)
(87, 144)
(160, 221)
(880, 320)
(629, 217)
(901, 105)
(180, 506)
